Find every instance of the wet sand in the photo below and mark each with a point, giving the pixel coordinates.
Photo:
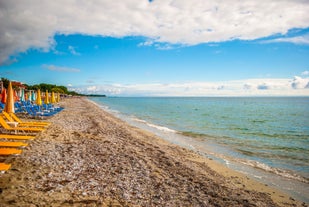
(87, 157)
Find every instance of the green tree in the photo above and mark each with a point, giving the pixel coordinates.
(5, 82)
(65, 89)
(43, 87)
(58, 90)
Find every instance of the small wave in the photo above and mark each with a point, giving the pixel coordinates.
(259, 121)
(262, 166)
(193, 134)
(277, 171)
(227, 162)
(104, 107)
(161, 128)
(139, 120)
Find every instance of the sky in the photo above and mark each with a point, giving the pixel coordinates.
(158, 47)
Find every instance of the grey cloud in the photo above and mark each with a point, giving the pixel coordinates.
(222, 87)
(247, 86)
(299, 83)
(263, 87)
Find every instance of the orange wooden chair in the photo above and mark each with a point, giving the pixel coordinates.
(8, 128)
(10, 151)
(4, 167)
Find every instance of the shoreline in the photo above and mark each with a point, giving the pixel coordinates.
(89, 157)
(288, 182)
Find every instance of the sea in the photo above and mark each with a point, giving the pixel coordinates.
(266, 138)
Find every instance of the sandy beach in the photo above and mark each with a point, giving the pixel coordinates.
(87, 157)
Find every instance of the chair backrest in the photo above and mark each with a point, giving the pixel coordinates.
(15, 118)
(29, 111)
(8, 116)
(4, 124)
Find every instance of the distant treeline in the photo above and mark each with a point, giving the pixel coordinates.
(95, 95)
(44, 87)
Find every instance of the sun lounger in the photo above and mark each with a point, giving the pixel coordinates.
(13, 118)
(9, 151)
(16, 137)
(8, 128)
(13, 144)
(4, 167)
(36, 111)
(52, 108)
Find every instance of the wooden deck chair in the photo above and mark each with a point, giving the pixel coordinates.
(13, 118)
(8, 128)
(13, 144)
(4, 167)
(16, 137)
(7, 117)
(9, 151)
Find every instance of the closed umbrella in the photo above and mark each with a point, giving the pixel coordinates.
(38, 98)
(46, 101)
(22, 95)
(3, 96)
(33, 98)
(58, 97)
(53, 100)
(27, 96)
(15, 96)
(9, 105)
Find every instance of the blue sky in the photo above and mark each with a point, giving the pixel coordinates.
(159, 48)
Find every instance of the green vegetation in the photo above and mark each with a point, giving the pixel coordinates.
(48, 87)
(44, 87)
(96, 95)
(5, 82)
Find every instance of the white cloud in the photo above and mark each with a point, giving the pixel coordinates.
(305, 73)
(298, 82)
(60, 68)
(92, 89)
(146, 43)
(33, 23)
(72, 50)
(295, 40)
(251, 87)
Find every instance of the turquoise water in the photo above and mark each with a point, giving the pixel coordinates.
(272, 132)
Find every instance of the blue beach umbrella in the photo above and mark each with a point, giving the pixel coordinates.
(22, 95)
(33, 97)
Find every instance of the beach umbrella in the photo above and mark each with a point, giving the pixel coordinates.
(9, 105)
(33, 98)
(3, 96)
(38, 98)
(22, 94)
(58, 97)
(26, 95)
(53, 100)
(15, 96)
(46, 101)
